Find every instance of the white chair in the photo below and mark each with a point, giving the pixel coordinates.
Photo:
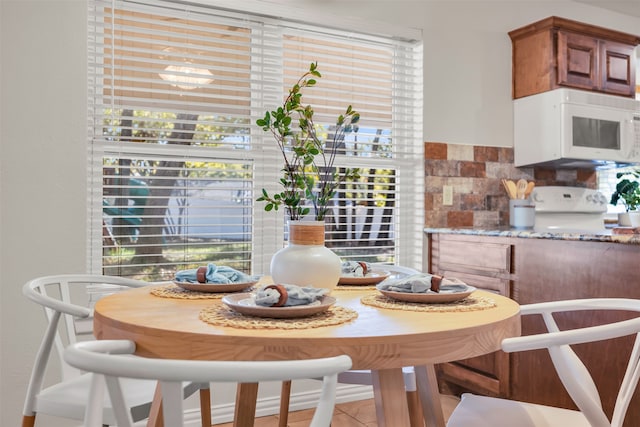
(112, 359)
(480, 411)
(67, 298)
(364, 377)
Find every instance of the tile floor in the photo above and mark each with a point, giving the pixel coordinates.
(361, 413)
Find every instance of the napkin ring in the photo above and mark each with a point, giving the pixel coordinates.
(435, 283)
(201, 274)
(283, 294)
(365, 270)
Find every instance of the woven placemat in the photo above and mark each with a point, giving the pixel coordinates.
(354, 288)
(470, 303)
(173, 291)
(220, 315)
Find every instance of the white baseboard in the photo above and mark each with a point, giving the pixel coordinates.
(271, 405)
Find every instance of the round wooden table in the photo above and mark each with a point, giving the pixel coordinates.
(382, 340)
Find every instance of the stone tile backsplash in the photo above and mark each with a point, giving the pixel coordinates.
(474, 172)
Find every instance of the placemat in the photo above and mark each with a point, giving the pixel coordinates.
(221, 315)
(470, 303)
(173, 291)
(355, 288)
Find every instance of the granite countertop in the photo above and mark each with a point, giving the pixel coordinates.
(606, 236)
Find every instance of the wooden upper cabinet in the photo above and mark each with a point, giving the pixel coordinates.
(558, 52)
(578, 61)
(618, 68)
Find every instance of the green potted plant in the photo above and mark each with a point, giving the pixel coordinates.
(309, 175)
(309, 182)
(628, 192)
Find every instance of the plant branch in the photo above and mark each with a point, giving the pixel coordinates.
(309, 172)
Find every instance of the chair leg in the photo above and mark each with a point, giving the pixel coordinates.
(28, 420)
(415, 409)
(205, 407)
(285, 394)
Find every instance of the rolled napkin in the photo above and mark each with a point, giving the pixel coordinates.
(213, 274)
(423, 283)
(355, 269)
(288, 295)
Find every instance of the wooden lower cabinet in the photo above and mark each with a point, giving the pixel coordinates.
(536, 270)
(485, 264)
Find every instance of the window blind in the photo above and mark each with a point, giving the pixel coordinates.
(176, 160)
(607, 180)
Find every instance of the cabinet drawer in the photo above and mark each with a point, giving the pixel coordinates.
(492, 284)
(473, 256)
(488, 374)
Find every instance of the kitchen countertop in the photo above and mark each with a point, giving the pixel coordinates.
(605, 236)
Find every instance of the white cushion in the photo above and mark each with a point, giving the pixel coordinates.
(482, 411)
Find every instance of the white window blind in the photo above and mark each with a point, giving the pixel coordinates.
(607, 181)
(177, 160)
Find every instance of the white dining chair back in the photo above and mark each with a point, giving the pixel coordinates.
(111, 358)
(397, 270)
(481, 411)
(365, 377)
(67, 301)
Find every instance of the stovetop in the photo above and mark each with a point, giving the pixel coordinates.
(569, 209)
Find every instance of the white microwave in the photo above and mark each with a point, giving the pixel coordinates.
(575, 128)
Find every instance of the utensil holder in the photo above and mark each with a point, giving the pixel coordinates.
(522, 213)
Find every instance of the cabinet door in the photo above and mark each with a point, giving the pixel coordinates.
(578, 64)
(484, 263)
(486, 374)
(617, 64)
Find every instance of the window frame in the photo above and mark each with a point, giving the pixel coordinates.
(408, 223)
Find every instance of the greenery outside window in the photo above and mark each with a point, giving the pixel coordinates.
(177, 161)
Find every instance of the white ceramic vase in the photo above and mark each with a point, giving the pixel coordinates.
(305, 261)
(629, 219)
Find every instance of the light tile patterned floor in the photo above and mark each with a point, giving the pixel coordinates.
(361, 413)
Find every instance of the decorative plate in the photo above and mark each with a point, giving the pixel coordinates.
(244, 303)
(431, 297)
(372, 278)
(215, 287)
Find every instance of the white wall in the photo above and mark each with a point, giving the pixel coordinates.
(42, 171)
(467, 56)
(43, 128)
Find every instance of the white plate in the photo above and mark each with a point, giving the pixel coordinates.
(244, 303)
(215, 287)
(430, 297)
(370, 279)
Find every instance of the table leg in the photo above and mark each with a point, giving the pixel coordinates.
(285, 396)
(429, 395)
(388, 393)
(155, 413)
(246, 397)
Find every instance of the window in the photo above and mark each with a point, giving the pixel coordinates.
(177, 160)
(607, 181)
